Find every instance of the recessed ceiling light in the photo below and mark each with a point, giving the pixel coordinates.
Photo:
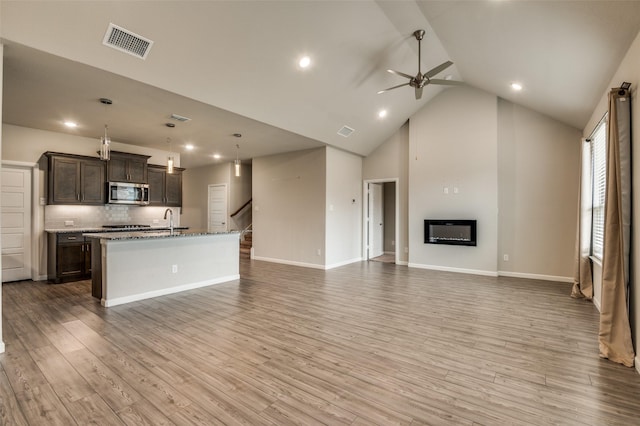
(188, 147)
(516, 86)
(304, 62)
(70, 124)
(382, 113)
(216, 156)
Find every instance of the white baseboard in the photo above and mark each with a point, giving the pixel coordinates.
(535, 276)
(346, 262)
(637, 363)
(165, 291)
(402, 263)
(596, 303)
(289, 262)
(2, 348)
(452, 269)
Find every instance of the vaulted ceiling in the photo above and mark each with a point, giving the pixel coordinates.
(232, 66)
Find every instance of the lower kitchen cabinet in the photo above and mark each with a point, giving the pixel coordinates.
(69, 257)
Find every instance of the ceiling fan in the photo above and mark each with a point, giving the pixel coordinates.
(420, 80)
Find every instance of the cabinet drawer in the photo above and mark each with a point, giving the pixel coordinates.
(70, 237)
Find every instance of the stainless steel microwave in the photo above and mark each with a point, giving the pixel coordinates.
(128, 193)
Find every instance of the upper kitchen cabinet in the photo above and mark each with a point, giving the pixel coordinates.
(75, 179)
(126, 167)
(165, 189)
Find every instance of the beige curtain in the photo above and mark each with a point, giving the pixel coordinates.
(582, 277)
(615, 331)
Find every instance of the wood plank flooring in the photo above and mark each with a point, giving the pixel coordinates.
(365, 344)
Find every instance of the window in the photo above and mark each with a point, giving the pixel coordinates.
(598, 181)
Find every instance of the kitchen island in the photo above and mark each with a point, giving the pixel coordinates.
(131, 266)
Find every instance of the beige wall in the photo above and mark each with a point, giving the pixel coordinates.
(195, 190)
(628, 70)
(343, 208)
(538, 171)
(1, 133)
(453, 144)
(391, 161)
(289, 207)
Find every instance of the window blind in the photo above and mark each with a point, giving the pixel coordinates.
(599, 170)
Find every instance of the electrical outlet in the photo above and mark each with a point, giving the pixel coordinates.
(174, 269)
(393, 243)
(505, 257)
(445, 190)
(156, 221)
(68, 223)
(319, 252)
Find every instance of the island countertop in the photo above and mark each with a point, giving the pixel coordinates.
(144, 235)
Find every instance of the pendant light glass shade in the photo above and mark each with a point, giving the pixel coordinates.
(170, 158)
(105, 145)
(237, 163)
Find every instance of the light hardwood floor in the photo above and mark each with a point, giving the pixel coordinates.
(367, 343)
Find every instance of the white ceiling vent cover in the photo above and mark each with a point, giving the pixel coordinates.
(127, 41)
(345, 131)
(180, 118)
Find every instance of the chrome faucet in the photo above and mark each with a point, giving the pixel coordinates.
(170, 218)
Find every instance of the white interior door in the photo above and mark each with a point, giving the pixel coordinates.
(16, 223)
(218, 208)
(376, 220)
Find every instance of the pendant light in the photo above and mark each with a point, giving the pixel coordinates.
(170, 158)
(237, 162)
(105, 145)
(105, 141)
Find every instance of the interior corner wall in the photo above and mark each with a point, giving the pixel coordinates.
(629, 71)
(289, 208)
(1, 79)
(343, 208)
(453, 174)
(391, 161)
(538, 182)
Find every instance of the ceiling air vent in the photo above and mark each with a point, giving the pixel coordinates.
(126, 41)
(179, 118)
(345, 131)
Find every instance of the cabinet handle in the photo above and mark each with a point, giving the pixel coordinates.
(72, 238)
(78, 197)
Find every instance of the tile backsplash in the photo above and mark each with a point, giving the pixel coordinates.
(58, 216)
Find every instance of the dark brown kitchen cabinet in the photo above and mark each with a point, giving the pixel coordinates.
(69, 257)
(165, 189)
(126, 167)
(75, 179)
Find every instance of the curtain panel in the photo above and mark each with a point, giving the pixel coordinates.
(582, 276)
(614, 337)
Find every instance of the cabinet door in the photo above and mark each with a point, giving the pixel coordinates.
(71, 260)
(156, 186)
(92, 182)
(117, 170)
(87, 258)
(137, 170)
(173, 186)
(64, 181)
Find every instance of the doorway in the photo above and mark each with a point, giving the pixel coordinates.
(16, 223)
(380, 220)
(217, 208)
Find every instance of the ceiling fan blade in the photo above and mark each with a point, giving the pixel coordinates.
(418, 93)
(401, 74)
(438, 69)
(447, 82)
(394, 87)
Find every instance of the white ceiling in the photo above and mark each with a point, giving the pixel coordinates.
(232, 66)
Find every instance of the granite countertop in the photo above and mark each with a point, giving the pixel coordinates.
(142, 235)
(105, 230)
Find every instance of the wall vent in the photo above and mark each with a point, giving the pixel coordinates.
(179, 118)
(345, 131)
(127, 41)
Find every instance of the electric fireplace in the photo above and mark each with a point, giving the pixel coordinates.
(452, 232)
